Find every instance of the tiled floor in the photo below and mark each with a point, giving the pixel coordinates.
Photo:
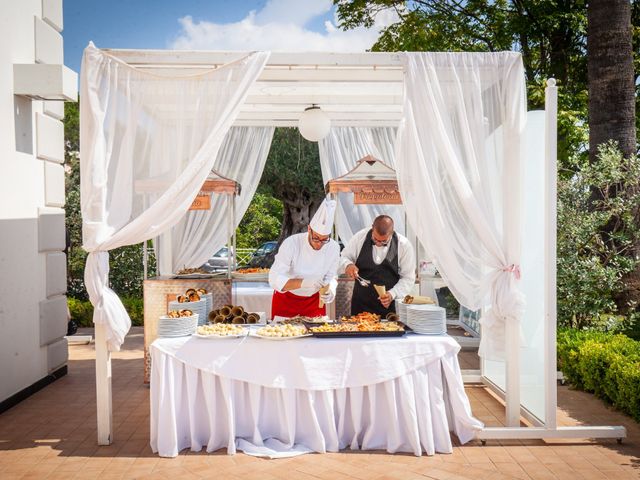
(53, 435)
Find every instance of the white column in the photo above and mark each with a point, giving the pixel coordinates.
(550, 306)
(103, 388)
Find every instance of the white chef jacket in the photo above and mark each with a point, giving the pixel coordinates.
(406, 260)
(296, 258)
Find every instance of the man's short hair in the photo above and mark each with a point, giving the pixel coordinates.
(383, 224)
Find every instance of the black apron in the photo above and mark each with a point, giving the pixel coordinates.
(365, 299)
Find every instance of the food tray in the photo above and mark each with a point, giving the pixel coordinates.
(398, 333)
(250, 276)
(194, 275)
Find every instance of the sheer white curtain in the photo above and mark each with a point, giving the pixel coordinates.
(148, 143)
(458, 160)
(200, 233)
(339, 152)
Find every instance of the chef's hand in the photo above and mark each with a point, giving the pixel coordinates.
(351, 271)
(314, 283)
(386, 299)
(328, 297)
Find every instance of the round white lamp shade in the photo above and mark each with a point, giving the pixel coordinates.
(314, 124)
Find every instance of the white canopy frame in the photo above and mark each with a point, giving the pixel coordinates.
(366, 89)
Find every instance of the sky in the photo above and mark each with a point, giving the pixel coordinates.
(276, 25)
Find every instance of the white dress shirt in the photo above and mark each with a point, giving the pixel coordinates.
(406, 260)
(296, 258)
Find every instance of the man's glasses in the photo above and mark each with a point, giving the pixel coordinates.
(381, 243)
(324, 241)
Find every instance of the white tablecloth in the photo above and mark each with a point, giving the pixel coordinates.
(253, 296)
(278, 398)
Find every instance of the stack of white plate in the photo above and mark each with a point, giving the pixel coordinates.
(209, 299)
(426, 319)
(401, 310)
(199, 307)
(177, 327)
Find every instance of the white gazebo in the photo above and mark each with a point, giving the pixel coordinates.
(382, 90)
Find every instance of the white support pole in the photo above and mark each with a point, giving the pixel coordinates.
(550, 304)
(233, 230)
(512, 366)
(334, 196)
(103, 387)
(230, 228)
(145, 259)
(582, 432)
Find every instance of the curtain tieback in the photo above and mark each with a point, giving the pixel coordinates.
(513, 268)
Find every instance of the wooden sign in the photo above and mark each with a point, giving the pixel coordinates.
(201, 202)
(377, 198)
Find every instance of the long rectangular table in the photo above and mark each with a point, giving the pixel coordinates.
(281, 398)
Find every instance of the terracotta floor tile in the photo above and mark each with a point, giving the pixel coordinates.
(52, 435)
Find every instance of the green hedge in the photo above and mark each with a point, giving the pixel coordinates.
(82, 310)
(603, 363)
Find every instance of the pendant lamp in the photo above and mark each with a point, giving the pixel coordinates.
(314, 124)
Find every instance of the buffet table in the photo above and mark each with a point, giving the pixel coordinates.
(281, 398)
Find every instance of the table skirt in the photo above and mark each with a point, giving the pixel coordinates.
(194, 408)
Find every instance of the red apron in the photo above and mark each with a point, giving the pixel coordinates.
(289, 305)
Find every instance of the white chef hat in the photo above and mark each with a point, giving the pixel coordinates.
(322, 221)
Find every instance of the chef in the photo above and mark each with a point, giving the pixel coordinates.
(305, 269)
(384, 257)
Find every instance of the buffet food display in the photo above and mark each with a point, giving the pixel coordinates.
(361, 325)
(251, 274)
(191, 295)
(419, 300)
(217, 330)
(233, 314)
(282, 330)
(192, 273)
(252, 270)
(179, 313)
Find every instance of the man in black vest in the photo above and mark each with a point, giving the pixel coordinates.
(385, 258)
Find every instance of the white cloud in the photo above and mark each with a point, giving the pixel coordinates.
(281, 25)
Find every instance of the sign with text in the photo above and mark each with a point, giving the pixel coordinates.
(201, 202)
(377, 198)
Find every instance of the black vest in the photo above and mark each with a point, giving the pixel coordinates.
(365, 299)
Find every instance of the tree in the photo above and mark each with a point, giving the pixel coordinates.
(592, 268)
(549, 33)
(552, 36)
(292, 175)
(261, 222)
(612, 115)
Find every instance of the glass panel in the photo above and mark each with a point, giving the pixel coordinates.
(532, 361)
(532, 364)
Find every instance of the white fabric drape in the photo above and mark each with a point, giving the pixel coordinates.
(200, 233)
(148, 143)
(458, 162)
(398, 395)
(339, 152)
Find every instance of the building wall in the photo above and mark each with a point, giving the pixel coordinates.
(33, 313)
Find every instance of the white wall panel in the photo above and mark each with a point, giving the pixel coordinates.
(57, 354)
(52, 13)
(56, 274)
(54, 109)
(51, 234)
(49, 138)
(48, 43)
(54, 184)
(53, 319)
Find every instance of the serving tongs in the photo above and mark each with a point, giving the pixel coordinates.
(363, 282)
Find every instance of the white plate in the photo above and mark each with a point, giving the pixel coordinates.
(256, 335)
(219, 337)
